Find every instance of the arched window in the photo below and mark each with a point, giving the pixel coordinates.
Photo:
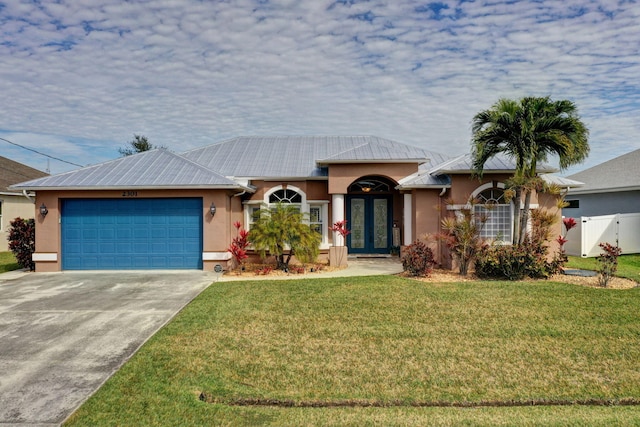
(316, 211)
(285, 195)
(370, 185)
(491, 203)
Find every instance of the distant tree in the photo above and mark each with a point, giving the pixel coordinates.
(139, 144)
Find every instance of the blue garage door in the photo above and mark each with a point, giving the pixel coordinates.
(129, 234)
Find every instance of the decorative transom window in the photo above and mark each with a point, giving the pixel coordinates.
(285, 195)
(370, 185)
(491, 203)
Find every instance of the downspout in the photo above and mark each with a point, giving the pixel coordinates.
(24, 192)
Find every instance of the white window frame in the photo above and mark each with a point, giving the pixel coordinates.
(305, 209)
(504, 239)
(323, 205)
(1, 221)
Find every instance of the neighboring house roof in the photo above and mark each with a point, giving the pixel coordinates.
(12, 172)
(158, 168)
(301, 156)
(619, 174)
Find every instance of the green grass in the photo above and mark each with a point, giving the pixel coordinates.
(8, 262)
(628, 265)
(383, 341)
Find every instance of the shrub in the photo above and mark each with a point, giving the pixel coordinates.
(514, 262)
(418, 259)
(501, 262)
(528, 259)
(462, 236)
(239, 244)
(22, 241)
(607, 263)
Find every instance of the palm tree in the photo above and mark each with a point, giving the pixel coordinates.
(283, 231)
(528, 131)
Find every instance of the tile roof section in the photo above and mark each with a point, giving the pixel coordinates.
(619, 174)
(156, 168)
(12, 172)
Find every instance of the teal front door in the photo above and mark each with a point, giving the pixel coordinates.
(369, 218)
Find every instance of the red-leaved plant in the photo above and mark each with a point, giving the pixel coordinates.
(239, 244)
(607, 262)
(569, 223)
(22, 242)
(340, 227)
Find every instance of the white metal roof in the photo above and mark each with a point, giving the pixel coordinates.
(300, 156)
(158, 168)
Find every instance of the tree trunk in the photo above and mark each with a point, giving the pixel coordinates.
(525, 217)
(515, 239)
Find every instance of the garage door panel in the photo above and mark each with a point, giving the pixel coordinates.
(132, 233)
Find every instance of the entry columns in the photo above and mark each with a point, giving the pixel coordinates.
(408, 215)
(337, 214)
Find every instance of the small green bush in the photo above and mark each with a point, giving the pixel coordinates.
(514, 262)
(22, 242)
(418, 259)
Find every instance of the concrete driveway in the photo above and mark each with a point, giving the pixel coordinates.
(63, 334)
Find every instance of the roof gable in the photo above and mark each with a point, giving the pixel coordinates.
(156, 168)
(619, 174)
(12, 172)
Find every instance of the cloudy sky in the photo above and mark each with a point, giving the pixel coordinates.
(79, 78)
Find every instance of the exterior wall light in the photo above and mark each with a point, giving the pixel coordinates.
(43, 210)
(212, 209)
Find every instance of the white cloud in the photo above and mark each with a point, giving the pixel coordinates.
(189, 73)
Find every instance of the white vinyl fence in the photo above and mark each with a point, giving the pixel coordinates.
(620, 229)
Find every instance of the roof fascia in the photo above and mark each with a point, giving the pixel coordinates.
(419, 161)
(282, 178)
(604, 190)
(250, 189)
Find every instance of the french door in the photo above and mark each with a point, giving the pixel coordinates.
(369, 218)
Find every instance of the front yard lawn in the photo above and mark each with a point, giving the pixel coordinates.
(628, 265)
(380, 351)
(8, 262)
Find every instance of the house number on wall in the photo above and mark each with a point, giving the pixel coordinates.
(129, 194)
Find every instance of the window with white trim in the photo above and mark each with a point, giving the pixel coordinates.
(1, 215)
(499, 213)
(316, 211)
